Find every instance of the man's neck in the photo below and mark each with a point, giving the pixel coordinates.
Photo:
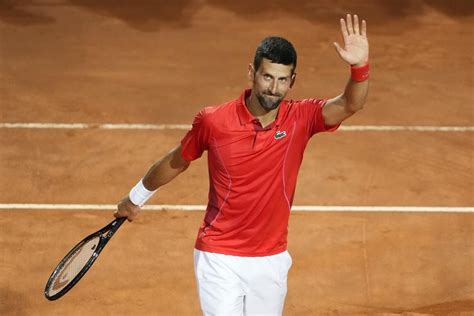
(265, 116)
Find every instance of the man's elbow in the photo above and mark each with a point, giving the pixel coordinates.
(355, 107)
(184, 165)
(177, 162)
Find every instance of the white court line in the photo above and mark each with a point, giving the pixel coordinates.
(348, 128)
(188, 207)
(94, 126)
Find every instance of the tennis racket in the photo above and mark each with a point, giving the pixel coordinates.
(79, 260)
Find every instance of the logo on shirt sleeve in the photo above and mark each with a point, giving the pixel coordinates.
(280, 134)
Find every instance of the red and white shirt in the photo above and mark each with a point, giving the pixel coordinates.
(252, 173)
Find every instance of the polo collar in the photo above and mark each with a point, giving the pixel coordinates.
(245, 117)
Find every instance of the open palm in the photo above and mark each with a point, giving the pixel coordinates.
(356, 45)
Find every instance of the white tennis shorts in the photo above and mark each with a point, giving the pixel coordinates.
(238, 286)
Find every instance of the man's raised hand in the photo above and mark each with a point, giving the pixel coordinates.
(356, 45)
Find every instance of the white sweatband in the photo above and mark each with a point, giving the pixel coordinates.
(139, 194)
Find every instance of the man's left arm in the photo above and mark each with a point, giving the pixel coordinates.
(356, 53)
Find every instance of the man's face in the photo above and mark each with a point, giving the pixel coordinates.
(271, 83)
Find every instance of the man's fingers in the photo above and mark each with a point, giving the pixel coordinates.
(126, 209)
(352, 26)
(131, 217)
(349, 24)
(344, 29)
(356, 24)
(339, 49)
(364, 28)
(118, 214)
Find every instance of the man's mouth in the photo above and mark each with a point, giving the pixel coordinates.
(273, 95)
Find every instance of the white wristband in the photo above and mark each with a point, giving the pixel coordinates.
(139, 194)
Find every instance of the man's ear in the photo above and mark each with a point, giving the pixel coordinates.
(293, 79)
(251, 72)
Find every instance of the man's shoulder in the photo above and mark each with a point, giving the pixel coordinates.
(215, 112)
(309, 101)
(305, 106)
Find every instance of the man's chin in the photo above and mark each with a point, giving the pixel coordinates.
(269, 104)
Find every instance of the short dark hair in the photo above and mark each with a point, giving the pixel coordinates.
(277, 50)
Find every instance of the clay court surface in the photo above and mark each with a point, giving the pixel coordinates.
(159, 62)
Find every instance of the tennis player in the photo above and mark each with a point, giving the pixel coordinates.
(255, 146)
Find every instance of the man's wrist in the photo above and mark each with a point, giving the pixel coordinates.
(360, 72)
(139, 194)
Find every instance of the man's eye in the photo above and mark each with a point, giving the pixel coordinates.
(267, 77)
(283, 80)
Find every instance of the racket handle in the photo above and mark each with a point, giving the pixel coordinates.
(119, 221)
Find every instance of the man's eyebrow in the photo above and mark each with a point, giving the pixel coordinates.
(282, 77)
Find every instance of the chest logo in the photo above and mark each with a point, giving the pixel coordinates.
(280, 134)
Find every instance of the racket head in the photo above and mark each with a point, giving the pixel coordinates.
(78, 261)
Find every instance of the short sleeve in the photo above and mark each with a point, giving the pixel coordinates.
(312, 112)
(196, 139)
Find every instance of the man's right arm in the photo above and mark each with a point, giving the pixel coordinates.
(162, 172)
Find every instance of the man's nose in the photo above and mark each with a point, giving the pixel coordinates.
(274, 87)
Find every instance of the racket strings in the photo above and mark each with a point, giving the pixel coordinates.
(72, 265)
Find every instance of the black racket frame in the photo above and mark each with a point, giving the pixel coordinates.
(105, 234)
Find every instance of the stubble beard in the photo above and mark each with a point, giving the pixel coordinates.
(268, 104)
